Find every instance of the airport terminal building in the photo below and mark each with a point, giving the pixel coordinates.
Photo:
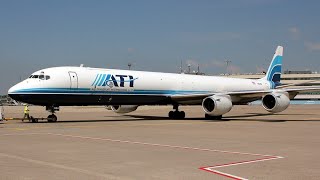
(303, 78)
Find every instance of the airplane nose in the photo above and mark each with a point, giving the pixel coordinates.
(12, 89)
(13, 93)
(16, 88)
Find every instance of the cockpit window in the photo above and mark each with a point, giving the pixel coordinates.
(42, 77)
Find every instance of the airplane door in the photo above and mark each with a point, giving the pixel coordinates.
(73, 80)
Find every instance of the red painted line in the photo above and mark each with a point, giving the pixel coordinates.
(212, 169)
(243, 162)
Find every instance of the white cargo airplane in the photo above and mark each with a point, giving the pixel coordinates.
(125, 90)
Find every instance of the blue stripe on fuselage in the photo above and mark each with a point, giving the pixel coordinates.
(102, 80)
(89, 91)
(95, 80)
(99, 78)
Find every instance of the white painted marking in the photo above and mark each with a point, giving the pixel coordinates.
(22, 134)
(78, 170)
(213, 168)
(163, 145)
(229, 175)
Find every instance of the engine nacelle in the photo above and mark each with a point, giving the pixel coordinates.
(121, 109)
(276, 102)
(217, 105)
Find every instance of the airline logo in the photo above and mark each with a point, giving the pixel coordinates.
(113, 80)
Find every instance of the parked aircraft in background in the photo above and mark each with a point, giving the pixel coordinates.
(125, 90)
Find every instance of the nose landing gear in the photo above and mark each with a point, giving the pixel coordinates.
(52, 109)
(176, 114)
(52, 118)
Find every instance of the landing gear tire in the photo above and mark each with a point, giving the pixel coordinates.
(52, 118)
(207, 116)
(171, 114)
(177, 114)
(182, 114)
(52, 109)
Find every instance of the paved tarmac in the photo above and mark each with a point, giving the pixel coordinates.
(94, 143)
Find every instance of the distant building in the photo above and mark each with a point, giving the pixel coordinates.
(5, 100)
(297, 72)
(303, 78)
(198, 72)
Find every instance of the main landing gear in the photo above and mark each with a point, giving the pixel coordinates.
(52, 110)
(177, 114)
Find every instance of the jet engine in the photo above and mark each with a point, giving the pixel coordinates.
(121, 109)
(276, 102)
(217, 105)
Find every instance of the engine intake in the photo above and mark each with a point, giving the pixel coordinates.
(276, 102)
(216, 105)
(121, 109)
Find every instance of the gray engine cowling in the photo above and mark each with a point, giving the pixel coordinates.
(121, 109)
(217, 105)
(276, 102)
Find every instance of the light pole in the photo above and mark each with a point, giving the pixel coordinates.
(227, 63)
(189, 68)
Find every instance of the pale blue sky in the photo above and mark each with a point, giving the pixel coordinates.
(156, 35)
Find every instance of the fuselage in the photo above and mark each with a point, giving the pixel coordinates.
(68, 86)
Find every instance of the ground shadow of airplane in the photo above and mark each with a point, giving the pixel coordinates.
(233, 118)
(128, 118)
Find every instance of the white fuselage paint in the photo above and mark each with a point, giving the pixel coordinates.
(144, 83)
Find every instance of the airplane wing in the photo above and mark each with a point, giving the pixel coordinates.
(292, 92)
(239, 97)
(296, 84)
(245, 95)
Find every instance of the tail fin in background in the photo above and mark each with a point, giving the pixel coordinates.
(274, 72)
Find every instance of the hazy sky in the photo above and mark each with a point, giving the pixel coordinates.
(155, 35)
